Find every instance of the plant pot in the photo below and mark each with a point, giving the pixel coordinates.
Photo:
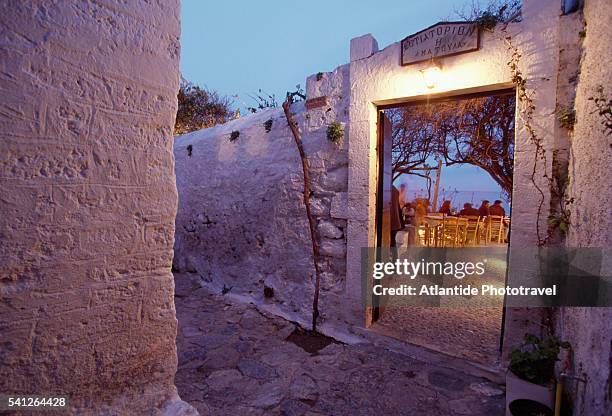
(517, 389)
(524, 407)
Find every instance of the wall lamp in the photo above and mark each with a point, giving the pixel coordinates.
(431, 74)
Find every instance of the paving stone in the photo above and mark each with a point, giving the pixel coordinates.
(446, 379)
(193, 358)
(223, 379)
(191, 331)
(256, 372)
(250, 319)
(269, 395)
(286, 330)
(294, 408)
(255, 369)
(209, 341)
(224, 357)
(303, 387)
(332, 349)
(464, 406)
(486, 389)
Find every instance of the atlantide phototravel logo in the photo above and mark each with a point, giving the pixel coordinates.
(483, 278)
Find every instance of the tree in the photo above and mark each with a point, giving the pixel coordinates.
(412, 136)
(477, 131)
(480, 131)
(200, 108)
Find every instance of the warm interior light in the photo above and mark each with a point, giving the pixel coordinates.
(431, 75)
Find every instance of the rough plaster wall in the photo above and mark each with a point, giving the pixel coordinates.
(589, 330)
(88, 200)
(241, 222)
(379, 79)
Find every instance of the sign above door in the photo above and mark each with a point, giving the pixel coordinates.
(441, 39)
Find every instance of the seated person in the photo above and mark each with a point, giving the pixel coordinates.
(445, 208)
(468, 210)
(484, 208)
(497, 209)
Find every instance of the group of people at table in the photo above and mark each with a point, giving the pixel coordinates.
(414, 223)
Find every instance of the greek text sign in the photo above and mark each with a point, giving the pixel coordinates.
(441, 39)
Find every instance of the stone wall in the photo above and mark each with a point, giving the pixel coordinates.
(223, 242)
(252, 233)
(88, 200)
(589, 330)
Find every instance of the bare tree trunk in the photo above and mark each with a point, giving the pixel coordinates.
(307, 192)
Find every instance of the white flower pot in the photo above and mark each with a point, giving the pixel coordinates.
(517, 388)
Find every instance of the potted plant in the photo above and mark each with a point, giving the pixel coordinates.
(531, 375)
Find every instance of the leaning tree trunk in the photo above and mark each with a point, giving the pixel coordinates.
(306, 199)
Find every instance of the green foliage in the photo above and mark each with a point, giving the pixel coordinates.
(200, 108)
(263, 100)
(494, 12)
(603, 106)
(268, 125)
(234, 136)
(297, 95)
(567, 118)
(319, 76)
(582, 34)
(487, 20)
(534, 360)
(560, 220)
(335, 133)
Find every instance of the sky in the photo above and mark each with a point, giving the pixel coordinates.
(238, 47)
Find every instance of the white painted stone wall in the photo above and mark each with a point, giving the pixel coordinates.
(589, 330)
(88, 200)
(372, 78)
(241, 223)
(379, 80)
(253, 233)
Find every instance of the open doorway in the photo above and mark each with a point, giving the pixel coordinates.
(445, 181)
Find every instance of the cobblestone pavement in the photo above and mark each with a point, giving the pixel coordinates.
(471, 333)
(234, 360)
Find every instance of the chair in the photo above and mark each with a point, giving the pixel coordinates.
(472, 232)
(495, 229)
(462, 227)
(453, 232)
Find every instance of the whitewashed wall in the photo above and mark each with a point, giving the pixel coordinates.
(253, 231)
(88, 200)
(241, 222)
(589, 330)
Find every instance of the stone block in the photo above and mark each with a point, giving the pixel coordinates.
(329, 230)
(363, 47)
(333, 248)
(339, 205)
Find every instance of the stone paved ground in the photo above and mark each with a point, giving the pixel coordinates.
(471, 333)
(234, 360)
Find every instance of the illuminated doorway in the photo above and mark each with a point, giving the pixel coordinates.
(438, 162)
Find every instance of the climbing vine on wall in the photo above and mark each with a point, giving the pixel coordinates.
(526, 111)
(502, 13)
(603, 106)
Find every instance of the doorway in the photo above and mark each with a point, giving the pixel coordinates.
(445, 170)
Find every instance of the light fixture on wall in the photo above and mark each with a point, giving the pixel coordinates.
(431, 74)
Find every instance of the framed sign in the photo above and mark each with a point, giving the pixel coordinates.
(441, 39)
